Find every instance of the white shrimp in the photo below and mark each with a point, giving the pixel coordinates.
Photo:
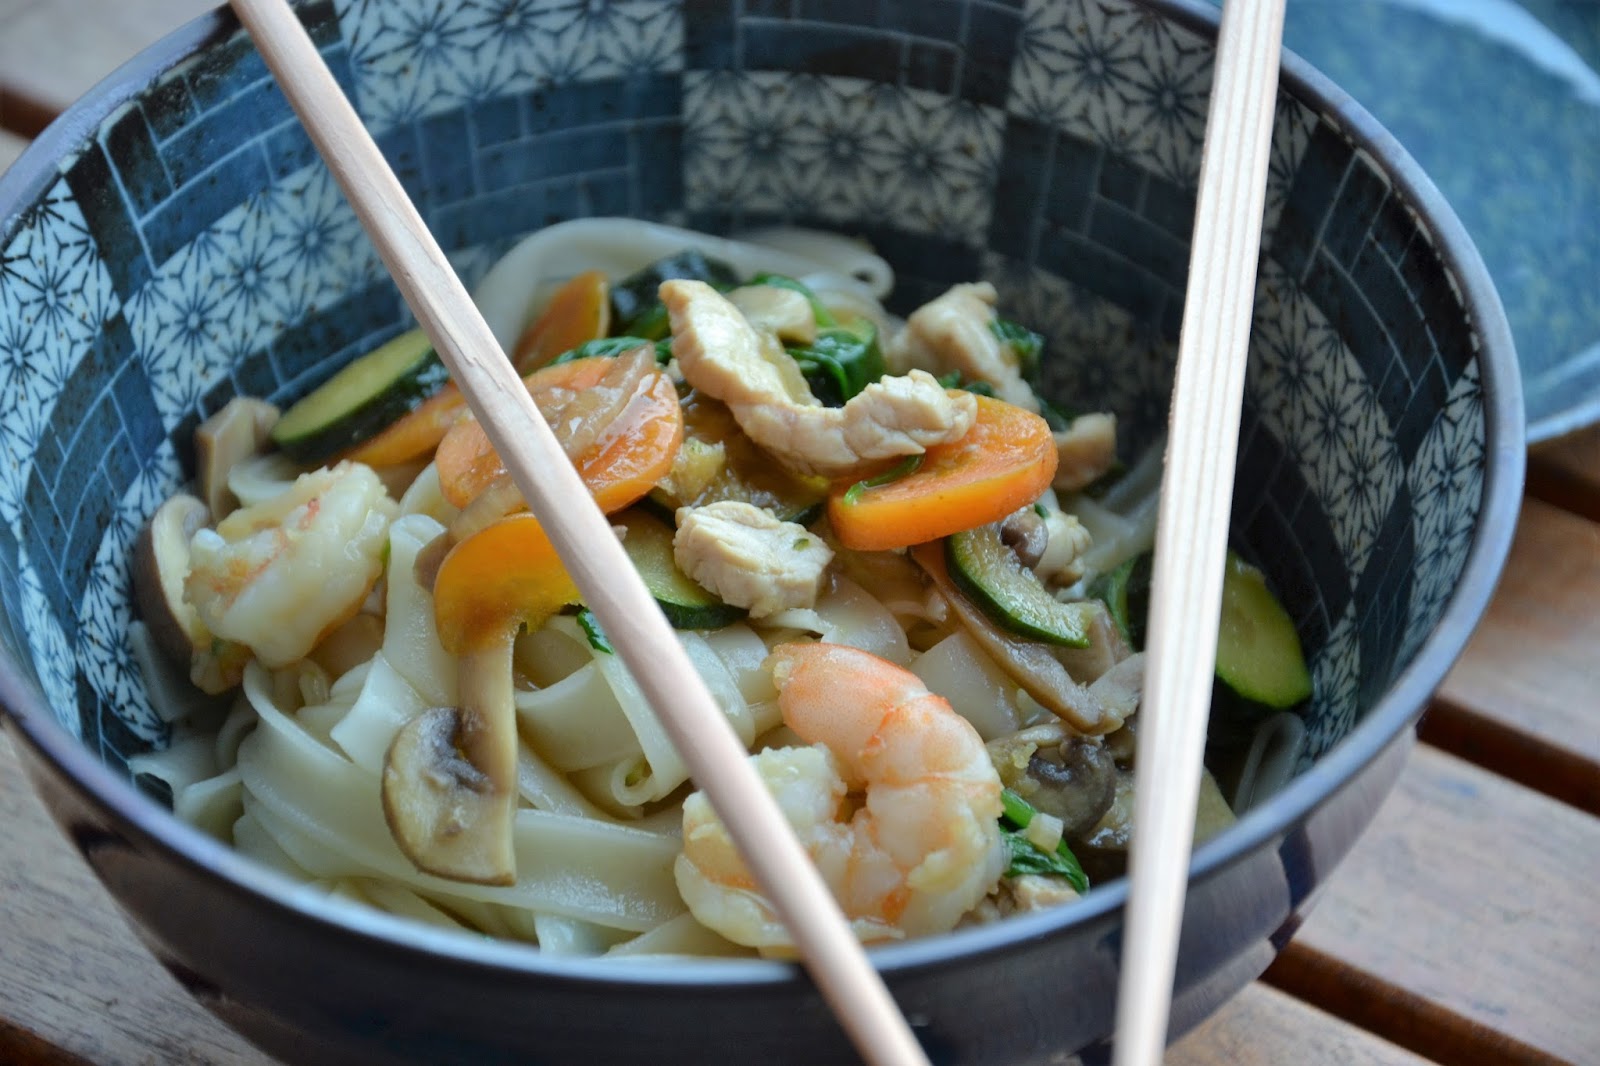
(723, 356)
(280, 574)
(924, 846)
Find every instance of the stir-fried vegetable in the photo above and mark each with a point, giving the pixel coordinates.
(1004, 462)
(361, 399)
(579, 311)
(1026, 856)
(631, 449)
(841, 362)
(1024, 343)
(610, 347)
(635, 306)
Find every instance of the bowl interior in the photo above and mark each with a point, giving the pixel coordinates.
(192, 249)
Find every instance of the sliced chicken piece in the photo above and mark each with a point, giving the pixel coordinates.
(749, 557)
(1087, 450)
(956, 332)
(723, 356)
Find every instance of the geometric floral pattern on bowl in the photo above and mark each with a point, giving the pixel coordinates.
(195, 250)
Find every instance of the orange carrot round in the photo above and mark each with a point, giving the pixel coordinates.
(1006, 460)
(506, 574)
(579, 311)
(634, 453)
(414, 434)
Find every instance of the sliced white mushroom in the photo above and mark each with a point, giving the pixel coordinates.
(1106, 648)
(160, 562)
(237, 432)
(450, 778)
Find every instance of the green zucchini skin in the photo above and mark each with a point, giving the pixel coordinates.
(992, 577)
(1258, 651)
(686, 604)
(1260, 664)
(361, 399)
(636, 309)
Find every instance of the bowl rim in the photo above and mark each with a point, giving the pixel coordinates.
(1396, 711)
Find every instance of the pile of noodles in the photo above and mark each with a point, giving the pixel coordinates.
(288, 770)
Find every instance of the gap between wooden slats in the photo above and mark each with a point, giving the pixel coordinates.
(1566, 473)
(1463, 924)
(1524, 700)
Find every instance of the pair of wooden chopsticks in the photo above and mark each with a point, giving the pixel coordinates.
(1195, 500)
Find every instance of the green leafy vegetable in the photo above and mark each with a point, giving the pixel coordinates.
(1025, 344)
(611, 347)
(954, 380)
(635, 305)
(1026, 857)
(1057, 418)
(899, 470)
(841, 362)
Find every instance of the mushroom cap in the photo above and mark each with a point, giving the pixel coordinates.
(160, 563)
(448, 816)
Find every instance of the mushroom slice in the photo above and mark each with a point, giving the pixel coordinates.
(226, 439)
(160, 563)
(1106, 648)
(450, 778)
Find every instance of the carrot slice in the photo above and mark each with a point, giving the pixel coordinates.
(634, 453)
(1005, 461)
(506, 574)
(579, 311)
(414, 434)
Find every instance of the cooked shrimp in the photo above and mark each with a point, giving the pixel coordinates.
(723, 356)
(924, 846)
(278, 575)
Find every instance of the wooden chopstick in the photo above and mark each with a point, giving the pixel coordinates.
(1196, 499)
(583, 538)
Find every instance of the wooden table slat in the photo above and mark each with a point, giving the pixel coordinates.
(1265, 1027)
(1566, 472)
(1461, 926)
(11, 146)
(1530, 677)
(72, 975)
(1475, 895)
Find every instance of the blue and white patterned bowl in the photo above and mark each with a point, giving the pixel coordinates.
(173, 242)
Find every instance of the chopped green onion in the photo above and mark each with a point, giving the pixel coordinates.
(908, 465)
(591, 629)
(1026, 857)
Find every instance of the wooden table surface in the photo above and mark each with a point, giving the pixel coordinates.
(1464, 928)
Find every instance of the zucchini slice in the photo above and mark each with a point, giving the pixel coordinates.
(1126, 592)
(992, 577)
(686, 604)
(361, 399)
(635, 307)
(1258, 651)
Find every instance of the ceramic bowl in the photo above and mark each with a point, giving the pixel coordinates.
(173, 242)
